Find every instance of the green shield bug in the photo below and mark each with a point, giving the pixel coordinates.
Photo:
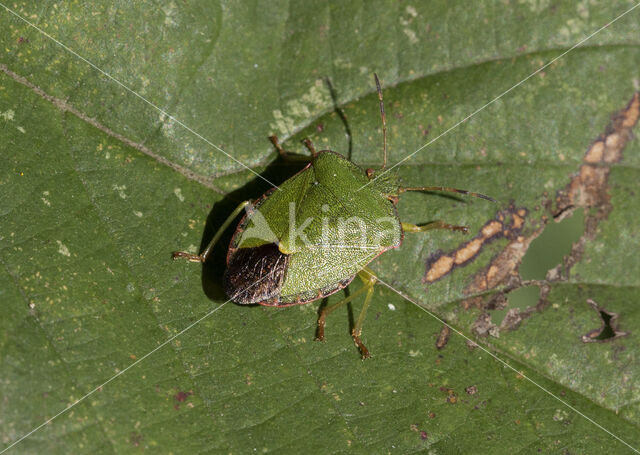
(294, 244)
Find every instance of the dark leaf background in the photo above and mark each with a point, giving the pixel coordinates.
(98, 187)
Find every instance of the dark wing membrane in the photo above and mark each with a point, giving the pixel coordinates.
(254, 275)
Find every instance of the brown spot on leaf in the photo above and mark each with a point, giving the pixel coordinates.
(443, 337)
(504, 265)
(471, 345)
(471, 390)
(465, 254)
(135, 439)
(595, 153)
(182, 396)
(512, 319)
(518, 221)
(492, 228)
(589, 188)
(483, 326)
(452, 398)
(440, 264)
(439, 268)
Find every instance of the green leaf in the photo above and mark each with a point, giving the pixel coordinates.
(98, 186)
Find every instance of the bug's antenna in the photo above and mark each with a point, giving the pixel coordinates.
(384, 121)
(343, 117)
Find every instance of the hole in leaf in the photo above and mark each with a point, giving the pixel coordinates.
(547, 251)
(607, 331)
(522, 298)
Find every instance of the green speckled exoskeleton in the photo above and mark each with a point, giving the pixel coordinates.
(310, 237)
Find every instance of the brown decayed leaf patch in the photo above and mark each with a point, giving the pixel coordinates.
(507, 223)
(587, 189)
(443, 337)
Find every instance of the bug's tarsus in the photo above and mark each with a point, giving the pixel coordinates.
(359, 344)
(307, 142)
(369, 279)
(384, 122)
(188, 256)
(288, 156)
(320, 325)
(276, 143)
(448, 190)
(207, 251)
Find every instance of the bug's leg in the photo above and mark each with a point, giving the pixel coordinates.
(369, 279)
(307, 142)
(447, 190)
(329, 309)
(288, 156)
(276, 143)
(439, 224)
(205, 254)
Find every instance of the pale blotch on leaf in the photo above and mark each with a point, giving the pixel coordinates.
(178, 193)
(413, 39)
(560, 415)
(299, 110)
(44, 198)
(120, 189)
(536, 6)
(170, 14)
(62, 248)
(405, 21)
(168, 126)
(8, 115)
